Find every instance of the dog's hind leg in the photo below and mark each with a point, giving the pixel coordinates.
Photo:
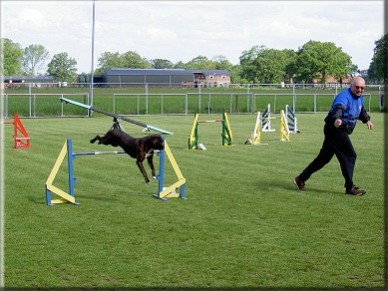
(142, 170)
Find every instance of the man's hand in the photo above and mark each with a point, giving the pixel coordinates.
(338, 123)
(370, 125)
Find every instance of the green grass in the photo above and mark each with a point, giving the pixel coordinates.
(243, 224)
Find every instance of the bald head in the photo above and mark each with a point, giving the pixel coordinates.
(357, 86)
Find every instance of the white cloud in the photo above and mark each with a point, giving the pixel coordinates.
(31, 19)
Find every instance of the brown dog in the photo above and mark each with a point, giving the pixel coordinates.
(137, 148)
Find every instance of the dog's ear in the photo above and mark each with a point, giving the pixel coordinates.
(153, 139)
(158, 140)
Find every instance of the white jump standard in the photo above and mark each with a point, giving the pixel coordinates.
(263, 124)
(292, 121)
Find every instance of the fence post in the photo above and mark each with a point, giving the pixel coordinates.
(6, 106)
(62, 106)
(30, 106)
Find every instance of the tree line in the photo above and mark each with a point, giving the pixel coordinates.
(313, 61)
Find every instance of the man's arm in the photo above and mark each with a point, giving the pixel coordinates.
(365, 118)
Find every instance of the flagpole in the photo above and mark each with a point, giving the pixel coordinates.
(90, 113)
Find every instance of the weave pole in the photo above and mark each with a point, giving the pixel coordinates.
(116, 116)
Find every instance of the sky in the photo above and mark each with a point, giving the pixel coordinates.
(184, 30)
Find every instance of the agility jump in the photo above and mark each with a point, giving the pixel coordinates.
(266, 120)
(21, 141)
(255, 138)
(117, 117)
(226, 131)
(67, 150)
(292, 121)
(163, 192)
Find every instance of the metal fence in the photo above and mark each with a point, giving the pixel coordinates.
(49, 105)
(37, 101)
(38, 105)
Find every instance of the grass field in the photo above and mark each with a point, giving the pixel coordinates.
(244, 224)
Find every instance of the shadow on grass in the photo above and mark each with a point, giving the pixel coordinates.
(275, 185)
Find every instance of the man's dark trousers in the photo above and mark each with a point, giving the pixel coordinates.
(336, 142)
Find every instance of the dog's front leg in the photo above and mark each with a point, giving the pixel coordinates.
(151, 164)
(101, 140)
(93, 140)
(141, 167)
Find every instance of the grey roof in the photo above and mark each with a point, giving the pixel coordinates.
(211, 72)
(29, 78)
(161, 72)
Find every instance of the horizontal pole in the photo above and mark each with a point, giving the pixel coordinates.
(159, 130)
(209, 121)
(63, 99)
(119, 117)
(101, 153)
(116, 116)
(98, 153)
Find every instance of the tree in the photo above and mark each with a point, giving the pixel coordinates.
(129, 59)
(108, 60)
(200, 63)
(378, 67)
(248, 62)
(11, 59)
(134, 60)
(180, 65)
(264, 65)
(235, 74)
(62, 68)
(161, 64)
(290, 65)
(319, 60)
(34, 59)
(222, 63)
(271, 66)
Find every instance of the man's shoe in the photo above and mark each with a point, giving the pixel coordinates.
(355, 191)
(299, 183)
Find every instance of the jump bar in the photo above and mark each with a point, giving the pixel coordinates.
(117, 116)
(98, 153)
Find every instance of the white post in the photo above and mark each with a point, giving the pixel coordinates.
(90, 112)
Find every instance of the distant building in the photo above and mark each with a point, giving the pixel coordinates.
(344, 80)
(212, 78)
(36, 81)
(331, 81)
(164, 77)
